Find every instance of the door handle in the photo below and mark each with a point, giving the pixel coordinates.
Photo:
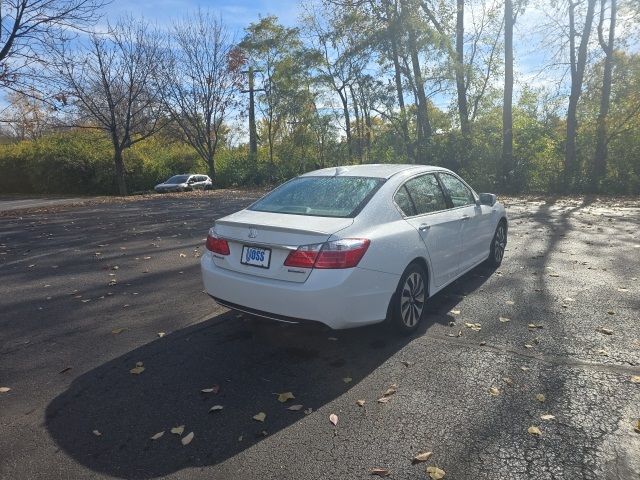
(424, 227)
(465, 217)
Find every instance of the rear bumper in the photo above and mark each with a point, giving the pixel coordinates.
(336, 298)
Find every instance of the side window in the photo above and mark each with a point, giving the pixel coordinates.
(426, 194)
(458, 191)
(404, 202)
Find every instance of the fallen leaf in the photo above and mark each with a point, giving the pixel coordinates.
(540, 397)
(137, 370)
(381, 472)
(611, 312)
(178, 430)
(526, 345)
(421, 457)
(435, 473)
(347, 379)
(4, 389)
(117, 331)
(361, 403)
(504, 319)
(508, 381)
(216, 408)
(295, 408)
(182, 255)
(634, 379)
(547, 416)
(455, 312)
(390, 391)
(623, 289)
(606, 331)
(384, 399)
(283, 397)
(636, 428)
(534, 431)
(603, 352)
(333, 418)
(260, 416)
(534, 326)
(161, 334)
(157, 435)
(139, 364)
(215, 389)
(495, 391)
(186, 440)
(510, 302)
(473, 326)
(97, 433)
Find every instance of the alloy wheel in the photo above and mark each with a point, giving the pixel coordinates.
(412, 299)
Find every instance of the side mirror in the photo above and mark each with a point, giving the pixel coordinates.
(488, 199)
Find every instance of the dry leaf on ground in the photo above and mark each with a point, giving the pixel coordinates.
(547, 416)
(157, 435)
(178, 430)
(97, 433)
(495, 391)
(606, 331)
(186, 440)
(347, 379)
(215, 389)
(4, 389)
(421, 457)
(534, 431)
(435, 473)
(634, 379)
(295, 408)
(260, 416)
(381, 472)
(216, 408)
(360, 403)
(333, 418)
(117, 331)
(284, 397)
(540, 397)
(504, 319)
(137, 370)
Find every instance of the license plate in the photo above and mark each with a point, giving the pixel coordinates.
(258, 257)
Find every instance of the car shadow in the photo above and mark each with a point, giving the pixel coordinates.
(106, 418)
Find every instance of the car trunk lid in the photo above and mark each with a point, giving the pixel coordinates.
(276, 232)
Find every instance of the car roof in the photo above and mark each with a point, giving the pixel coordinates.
(377, 170)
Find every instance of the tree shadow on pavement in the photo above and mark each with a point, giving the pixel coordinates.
(251, 362)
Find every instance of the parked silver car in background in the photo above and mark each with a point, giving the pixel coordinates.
(185, 183)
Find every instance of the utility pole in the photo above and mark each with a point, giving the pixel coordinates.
(253, 136)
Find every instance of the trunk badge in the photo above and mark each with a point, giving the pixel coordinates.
(253, 233)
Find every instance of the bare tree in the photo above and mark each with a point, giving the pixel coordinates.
(578, 62)
(27, 116)
(600, 158)
(27, 27)
(114, 85)
(202, 80)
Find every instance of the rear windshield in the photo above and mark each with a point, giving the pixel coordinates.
(320, 196)
(178, 179)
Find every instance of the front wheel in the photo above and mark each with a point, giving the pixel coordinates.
(409, 301)
(498, 244)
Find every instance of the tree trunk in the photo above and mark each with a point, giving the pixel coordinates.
(424, 126)
(461, 87)
(120, 171)
(356, 113)
(347, 120)
(578, 65)
(600, 158)
(403, 113)
(507, 109)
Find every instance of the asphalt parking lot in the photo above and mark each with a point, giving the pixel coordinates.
(89, 292)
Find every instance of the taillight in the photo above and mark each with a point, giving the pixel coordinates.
(345, 253)
(216, 244)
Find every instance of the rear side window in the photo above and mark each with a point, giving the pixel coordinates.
(425, 195)
(333, 196)
(403, 201)
(458, 191)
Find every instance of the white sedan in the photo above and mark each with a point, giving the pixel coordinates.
(352, 246)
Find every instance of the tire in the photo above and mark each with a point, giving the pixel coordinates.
(498, 244)
(409, 300)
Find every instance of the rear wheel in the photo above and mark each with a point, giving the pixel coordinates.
(498, 245)
(409, 302)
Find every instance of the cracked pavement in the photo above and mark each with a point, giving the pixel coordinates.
(74, 275)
